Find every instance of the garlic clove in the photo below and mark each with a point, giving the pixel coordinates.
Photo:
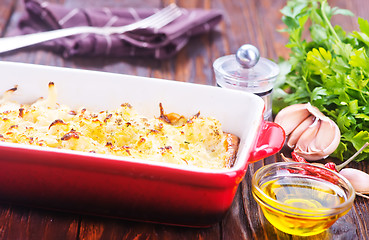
(358, 179)
(296, 134)
(286, 159)
(325, 142)
(316, 112)
(308, 136)
(290, 117)
(313, 135)
(327, 139)
(303, 145)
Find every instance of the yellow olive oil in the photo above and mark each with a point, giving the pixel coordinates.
(306, 202)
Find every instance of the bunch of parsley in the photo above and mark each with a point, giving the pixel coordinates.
(328, 68)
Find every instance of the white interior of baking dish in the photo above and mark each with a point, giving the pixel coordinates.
(239, 112)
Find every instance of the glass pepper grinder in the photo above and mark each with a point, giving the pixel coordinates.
(249, 72)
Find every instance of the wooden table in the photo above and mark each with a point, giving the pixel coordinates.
(245, 21)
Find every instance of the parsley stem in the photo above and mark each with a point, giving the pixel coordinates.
(322, 7)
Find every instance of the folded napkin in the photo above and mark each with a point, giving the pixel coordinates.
(164, 43)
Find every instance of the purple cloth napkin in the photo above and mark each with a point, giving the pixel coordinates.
(164, 43)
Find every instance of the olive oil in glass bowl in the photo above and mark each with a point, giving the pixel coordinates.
(300, 198)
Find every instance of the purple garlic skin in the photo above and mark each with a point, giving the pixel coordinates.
(309, 132)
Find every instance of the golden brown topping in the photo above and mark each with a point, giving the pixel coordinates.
(153, 131)
(107, 118)
(120, 132)
(193, 117)
(231, 144)
(163, 117)
(21, 112)
(165, 149)
(15, 88)
(71, 134)
(57, 121)
(173, 118)
(126, 105)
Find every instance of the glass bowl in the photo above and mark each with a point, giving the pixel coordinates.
(301, 198)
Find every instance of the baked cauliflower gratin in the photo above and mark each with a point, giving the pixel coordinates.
(172, 138)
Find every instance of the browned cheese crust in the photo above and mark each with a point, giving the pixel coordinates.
(232, 142)
(232, 148)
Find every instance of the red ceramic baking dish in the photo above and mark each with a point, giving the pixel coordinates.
(121, 187)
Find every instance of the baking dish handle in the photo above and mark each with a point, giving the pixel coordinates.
(270, 141)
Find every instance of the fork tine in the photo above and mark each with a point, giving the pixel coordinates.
(159, 14)
(165, 19)
(160, 18)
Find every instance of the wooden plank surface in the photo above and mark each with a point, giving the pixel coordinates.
(245, 21)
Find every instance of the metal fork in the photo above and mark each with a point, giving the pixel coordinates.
(155, 21)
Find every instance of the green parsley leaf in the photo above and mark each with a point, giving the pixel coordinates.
(328, 68)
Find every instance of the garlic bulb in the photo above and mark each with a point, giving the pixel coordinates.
(312, 135)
